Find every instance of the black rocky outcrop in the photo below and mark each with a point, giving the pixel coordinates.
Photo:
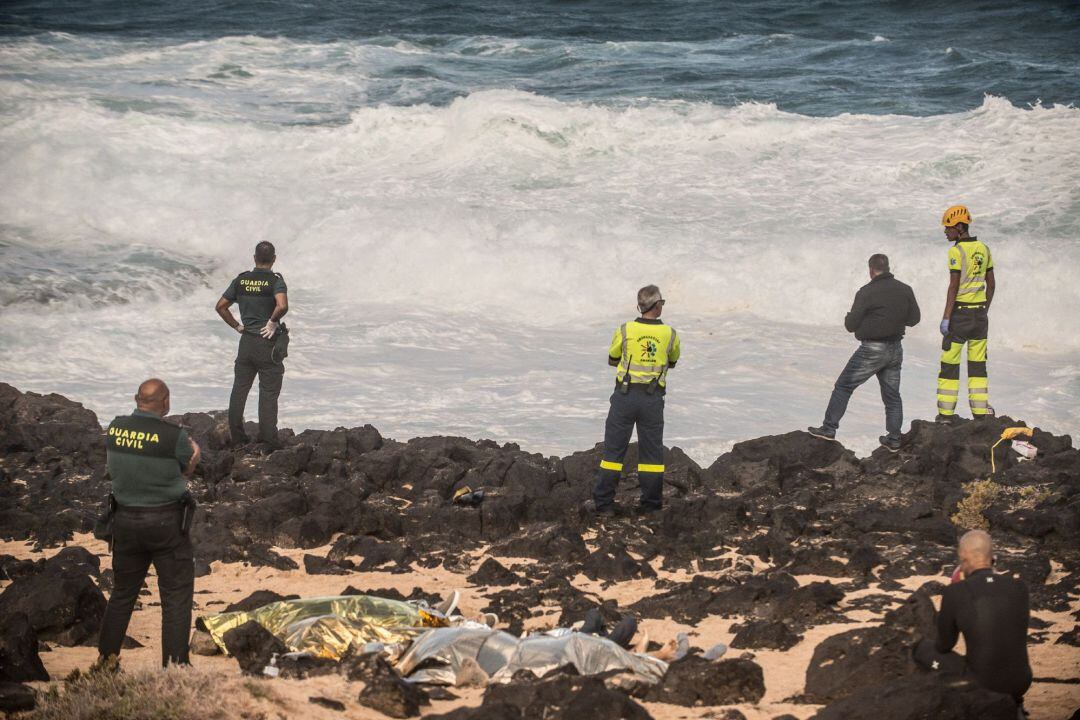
(805, 505)
(695, 681)
(561, 697)
(253, 646)
(384, 689)
(921, 696)
(66, 609)
(849, 661)
(19, 659)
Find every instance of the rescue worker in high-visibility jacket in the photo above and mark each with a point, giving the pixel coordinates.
(965, 320)
(642, 351)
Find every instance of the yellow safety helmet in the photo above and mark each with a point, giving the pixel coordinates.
(956, 214)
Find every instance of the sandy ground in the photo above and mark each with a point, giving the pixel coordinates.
(784, 671)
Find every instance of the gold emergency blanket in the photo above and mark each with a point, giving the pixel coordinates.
(326, 626)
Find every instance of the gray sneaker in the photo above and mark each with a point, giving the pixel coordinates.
(821, 432)
(889, 443)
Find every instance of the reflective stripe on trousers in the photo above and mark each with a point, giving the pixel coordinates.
(948, 386)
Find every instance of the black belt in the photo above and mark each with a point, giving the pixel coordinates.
(167, 508)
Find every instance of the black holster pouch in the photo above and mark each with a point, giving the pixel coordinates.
(280, 350)
(187, 511)
(103, 525)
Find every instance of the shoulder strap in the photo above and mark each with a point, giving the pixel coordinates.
(625, 345)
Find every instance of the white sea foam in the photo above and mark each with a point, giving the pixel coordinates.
(460, 268)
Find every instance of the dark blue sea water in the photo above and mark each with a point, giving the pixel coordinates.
(818, 57)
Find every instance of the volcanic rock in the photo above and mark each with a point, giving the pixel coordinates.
(1071, 637)
(256, 600)
(66, 609)
(562, 697)
(848, 661)
(15, 697)
(384, 689)
(253, 646)
(19, 660)
(203, 644)
(921, 696)
(551, 543)
(695, 681)
(315, 565)
(492, 572)
(611, 562)
(328, 703)
(764, 634)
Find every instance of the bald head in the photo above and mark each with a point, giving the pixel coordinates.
(153, 396)
(976, 550)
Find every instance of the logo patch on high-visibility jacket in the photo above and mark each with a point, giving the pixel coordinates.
(649, 347)
(953, 262)
(978, 261)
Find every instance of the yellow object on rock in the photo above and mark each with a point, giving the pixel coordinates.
(1008, 434)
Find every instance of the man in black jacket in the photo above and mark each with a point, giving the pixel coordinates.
(992, 612)
(882, 309)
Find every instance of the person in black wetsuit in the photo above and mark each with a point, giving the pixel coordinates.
(991, 611)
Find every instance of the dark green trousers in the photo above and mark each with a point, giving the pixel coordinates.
(141, 537)
(253, 358)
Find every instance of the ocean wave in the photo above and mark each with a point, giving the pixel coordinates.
(796, 70)
(514, 199)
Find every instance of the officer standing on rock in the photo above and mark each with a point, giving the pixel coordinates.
(264, 341)
(643, 350)
(148, 459)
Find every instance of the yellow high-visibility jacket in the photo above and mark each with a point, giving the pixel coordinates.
(972, 260)
(646, 349)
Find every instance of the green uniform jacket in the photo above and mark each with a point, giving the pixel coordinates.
(146, 458)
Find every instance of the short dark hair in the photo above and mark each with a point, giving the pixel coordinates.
(879, 263)
(962, 227)
(265, 253)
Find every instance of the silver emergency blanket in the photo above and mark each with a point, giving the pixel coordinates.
(436, 655)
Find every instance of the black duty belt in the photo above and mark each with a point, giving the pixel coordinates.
(167, 508)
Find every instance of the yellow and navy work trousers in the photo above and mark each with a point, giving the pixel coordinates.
(968, 326)
(646, 411)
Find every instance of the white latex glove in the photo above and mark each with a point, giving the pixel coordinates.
(269, 330)
(239, 329)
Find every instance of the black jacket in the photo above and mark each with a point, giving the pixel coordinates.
(882, 309)
(991, 611)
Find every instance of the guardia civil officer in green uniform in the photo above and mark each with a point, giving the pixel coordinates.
(263, 300)
(643, 350)
(966, 318)
(148, 459)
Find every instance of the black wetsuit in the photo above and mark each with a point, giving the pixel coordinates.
(991, 610)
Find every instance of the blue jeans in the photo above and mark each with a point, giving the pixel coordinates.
(872, 358)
